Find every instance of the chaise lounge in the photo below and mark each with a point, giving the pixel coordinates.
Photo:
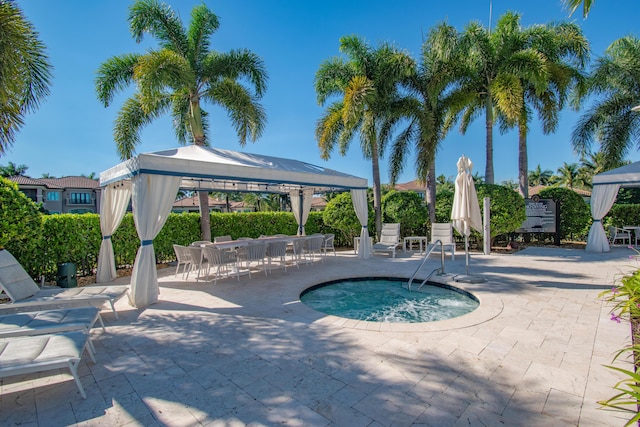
(389, 239)
(41, 353)
(24, 292)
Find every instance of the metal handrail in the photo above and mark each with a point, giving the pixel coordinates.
(424, 260)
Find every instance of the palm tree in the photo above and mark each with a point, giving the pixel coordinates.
(177, 77)
(367, 85)
(539, 176)
(445, 184)
(572, 5)
(13, 170)
(510, 183)
(497, 62)
(426, 107)
(611, 121)
(555, 56)
(568, 174)
(25, 71)
(592, 164)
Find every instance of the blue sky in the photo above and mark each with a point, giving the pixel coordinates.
(71, 132)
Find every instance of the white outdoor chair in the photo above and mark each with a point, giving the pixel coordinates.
(256, 251)
(24, 292)
(183, 258)
(389, 239)
(197, 259)
(277, 250)
(442, 231)
(313, 245)
(619, 234)
(297, 254)
(327, 244)
(222, 260)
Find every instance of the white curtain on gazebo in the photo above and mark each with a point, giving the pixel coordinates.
(113, 205)
(301, 217)
(153, 197)
(359, 198)
(602, 199)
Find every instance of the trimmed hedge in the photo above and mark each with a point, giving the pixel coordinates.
(77, 238)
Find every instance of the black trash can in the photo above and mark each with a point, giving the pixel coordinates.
(67, 275)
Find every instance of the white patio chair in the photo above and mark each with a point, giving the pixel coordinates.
(327, 244)
(619, 234)
(221, 260)
(197, 259)
(442, 231)
(389, 239)
(313, 245)
(256, 251)
(278, 250)
(297, 251)
(183, 258)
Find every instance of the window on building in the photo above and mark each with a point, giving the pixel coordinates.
(80, 199)
(53, 196)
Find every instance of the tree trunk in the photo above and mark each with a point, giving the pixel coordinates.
(488, 175)
(523, 162)
(376, 187)
(205, 216)
(430, 193)
(197, 131)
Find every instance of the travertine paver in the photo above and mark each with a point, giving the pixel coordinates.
(249, 353)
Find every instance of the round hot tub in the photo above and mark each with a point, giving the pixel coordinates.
(377, 299)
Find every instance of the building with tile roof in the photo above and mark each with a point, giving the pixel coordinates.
(69, 194)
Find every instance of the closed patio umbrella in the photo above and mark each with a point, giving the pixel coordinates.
(465, 213)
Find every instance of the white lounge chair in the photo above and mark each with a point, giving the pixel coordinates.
(42, 322)
(442, 231)
(24, 292)
(389, 239)
(41, 353)
(49, 321)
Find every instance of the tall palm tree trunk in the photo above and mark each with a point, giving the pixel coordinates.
(430, 193)
(203, 196)
(376, 189)
(488, 175)
(523, 162)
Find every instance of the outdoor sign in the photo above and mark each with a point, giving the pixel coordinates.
(541, 216)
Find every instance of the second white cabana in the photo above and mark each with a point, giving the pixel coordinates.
(605, 191)
(152, 180)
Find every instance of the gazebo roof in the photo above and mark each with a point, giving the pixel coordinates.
(214, 169)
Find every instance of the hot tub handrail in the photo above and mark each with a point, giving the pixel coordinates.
(424, 260)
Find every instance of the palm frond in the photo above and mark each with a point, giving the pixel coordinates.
(203, 24)
(131, 118)
(161, 22)
(114, 75)
(236, 64)
(246, 113)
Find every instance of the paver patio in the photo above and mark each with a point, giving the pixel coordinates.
(249, 353)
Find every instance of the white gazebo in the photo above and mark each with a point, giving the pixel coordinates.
(152, 180)
(605, 191)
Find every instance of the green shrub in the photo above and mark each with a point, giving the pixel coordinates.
(406, 208)
(340, 215)
(575, 213)
(20, 225)
(622, 214)
(507, 208)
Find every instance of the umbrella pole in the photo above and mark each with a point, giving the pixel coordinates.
(466, 251)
